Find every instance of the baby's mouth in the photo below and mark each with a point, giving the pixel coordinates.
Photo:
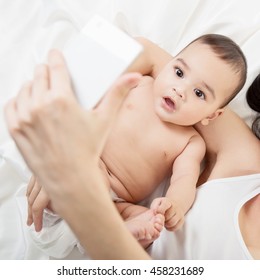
(169, 103)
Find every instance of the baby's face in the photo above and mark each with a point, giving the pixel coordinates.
(193, 86)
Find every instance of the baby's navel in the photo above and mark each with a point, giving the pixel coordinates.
(165, 154)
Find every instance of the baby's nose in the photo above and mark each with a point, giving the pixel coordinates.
(179, 92)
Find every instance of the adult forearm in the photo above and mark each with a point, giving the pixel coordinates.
(98, 225)
(62, 143)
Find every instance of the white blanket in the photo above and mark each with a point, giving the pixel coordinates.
(29, 28)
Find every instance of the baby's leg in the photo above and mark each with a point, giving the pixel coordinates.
(143, 223)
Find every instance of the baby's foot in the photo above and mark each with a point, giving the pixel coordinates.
(146, 227)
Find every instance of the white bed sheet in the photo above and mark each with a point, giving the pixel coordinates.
(29, 28)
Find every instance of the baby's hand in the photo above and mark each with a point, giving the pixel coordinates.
(172, 211)
(37, 200)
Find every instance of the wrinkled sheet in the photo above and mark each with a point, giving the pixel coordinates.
(29, 28)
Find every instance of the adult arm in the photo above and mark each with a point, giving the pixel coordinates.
(61, 143)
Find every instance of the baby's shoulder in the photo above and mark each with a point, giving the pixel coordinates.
(195, 136)
(197, 142)
(189, 135)
(191, 132)
(194, 139)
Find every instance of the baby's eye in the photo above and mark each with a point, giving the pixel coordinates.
(179, 72)
(200, 94)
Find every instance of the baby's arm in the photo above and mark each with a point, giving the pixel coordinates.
(181, 193)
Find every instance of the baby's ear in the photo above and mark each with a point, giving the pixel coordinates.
(212, 116)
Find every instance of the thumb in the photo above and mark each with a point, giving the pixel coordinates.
(160, 205)
(114, 98)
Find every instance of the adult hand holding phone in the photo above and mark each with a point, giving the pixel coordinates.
(57, 137)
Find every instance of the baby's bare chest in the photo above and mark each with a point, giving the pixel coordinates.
(141, 149)
(138, 130)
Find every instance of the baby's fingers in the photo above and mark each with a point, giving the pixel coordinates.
(161, 205)
(174, 223)
(30, 186)
(40, 203)
(32, 192)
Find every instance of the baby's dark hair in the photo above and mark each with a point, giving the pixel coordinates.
(253, 100)
(227, 50)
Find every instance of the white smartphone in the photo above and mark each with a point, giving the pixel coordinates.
(96, 57)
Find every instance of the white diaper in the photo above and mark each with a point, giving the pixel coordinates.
(56, 239)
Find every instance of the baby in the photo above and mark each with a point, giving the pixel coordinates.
(153, 136)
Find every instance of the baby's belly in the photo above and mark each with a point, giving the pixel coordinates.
(133, 182)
